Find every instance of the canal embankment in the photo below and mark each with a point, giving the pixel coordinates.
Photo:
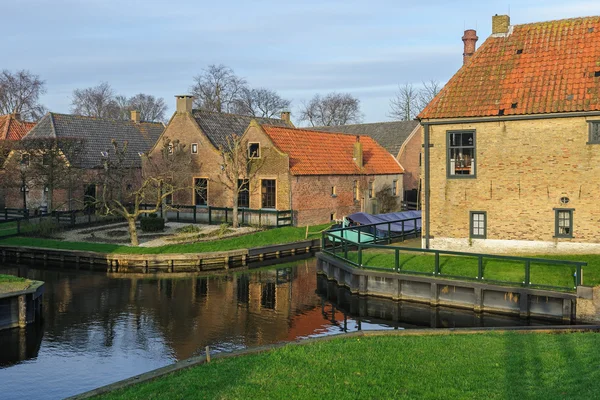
(20, 301)
(532, 362)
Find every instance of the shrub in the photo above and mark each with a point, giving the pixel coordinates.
(223, 230)
(189, 229)
(152, 223)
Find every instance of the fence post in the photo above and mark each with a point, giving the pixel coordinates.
(18, 226)
(346, 249)
(527, 273)
(359, 235)
(389, 233)
(5, 213)
(73, 218)
(259, 217)
(578, 277)
(277, 218)
(209, 215)
(436, 268)
(225, 214)
(195, 214)
(359, 255)
(480, 267)
(243, 219)
(397, 260)
(403, 230)
(178, 215)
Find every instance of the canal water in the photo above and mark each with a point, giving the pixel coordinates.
(98, 329)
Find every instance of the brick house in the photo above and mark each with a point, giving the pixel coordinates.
(96, 135)
(512, 142)
(321, 176)
(402, 139)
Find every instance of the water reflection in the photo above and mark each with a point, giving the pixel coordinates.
(99, 329)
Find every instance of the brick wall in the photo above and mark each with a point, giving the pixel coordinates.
(523, 170)
(409, 159)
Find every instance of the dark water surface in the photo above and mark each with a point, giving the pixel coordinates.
(99, 329)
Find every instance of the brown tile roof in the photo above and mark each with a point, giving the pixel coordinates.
(11, 128)
(545, 67)
(320, 153)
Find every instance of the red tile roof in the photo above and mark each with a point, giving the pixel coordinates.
(12, 128)
(546, 67)
(320, 153)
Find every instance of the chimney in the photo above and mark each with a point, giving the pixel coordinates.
(500, 24)
(184, 103)
(358, 152)
(285, 116)
(469, 39)
(135, 116)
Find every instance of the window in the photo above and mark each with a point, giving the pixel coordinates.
(200, 191)
(244, 193)
(268, 193)
(333, 192)
(268, 298)
(46, 159)
(563, 222)
(594, 132)
(170, 148)
(25, 159)
(194, 148)
(371, 189)
(478, 225)
(332, 217)
(461, 154)
(395, 188)
(254, 150)
(355, 191)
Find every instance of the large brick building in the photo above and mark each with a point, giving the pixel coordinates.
(512, 142)
(402, 139)
(321, 176)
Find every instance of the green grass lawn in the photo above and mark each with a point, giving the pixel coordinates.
(512, 272)
(10, 283)
(264, 238)
(475, 366)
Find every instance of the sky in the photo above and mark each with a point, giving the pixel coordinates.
(297, 48)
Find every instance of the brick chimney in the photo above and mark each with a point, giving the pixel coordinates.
(184, 103)
(135, 116)
(285, 116)
(500, 24)
(469, 39)
(358, 152)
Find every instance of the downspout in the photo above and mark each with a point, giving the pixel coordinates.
(426, 154)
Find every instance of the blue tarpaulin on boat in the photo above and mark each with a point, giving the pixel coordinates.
(409, 223)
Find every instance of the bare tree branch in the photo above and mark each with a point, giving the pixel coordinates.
(260, 102)
(20, 93)
(332, 110)
(217, 89)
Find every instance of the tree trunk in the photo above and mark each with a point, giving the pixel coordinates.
(49, 198)
(132, 231)
(236, 190)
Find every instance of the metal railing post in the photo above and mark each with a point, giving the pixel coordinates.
(397, 260)
(195, 214)
(209, 215)
(359, 256)
(436, 267)
(480, 267)
(527, 273)
(578, 276)
(389, 233)
(403, 230)
(345, 242)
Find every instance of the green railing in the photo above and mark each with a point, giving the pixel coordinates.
(218, 215)
(381, 232)
(489, 268)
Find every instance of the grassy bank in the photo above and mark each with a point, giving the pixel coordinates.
(10, 283)
(476, 366)
(264, 238)
(499, 270)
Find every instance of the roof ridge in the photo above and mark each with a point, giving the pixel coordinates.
(233, 114)
(558, 20)
(318, 131)
(104, 118)
(369, 123)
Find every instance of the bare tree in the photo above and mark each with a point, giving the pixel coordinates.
(20, 93)
(217, 89)
(332, 110)
(428, 92)
(125, 189)
(151, 108)
(260, 102)
(98, 101)
(238, 166)
(405, 105)
(101, 101)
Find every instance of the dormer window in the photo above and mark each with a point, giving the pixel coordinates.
(254, 150)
